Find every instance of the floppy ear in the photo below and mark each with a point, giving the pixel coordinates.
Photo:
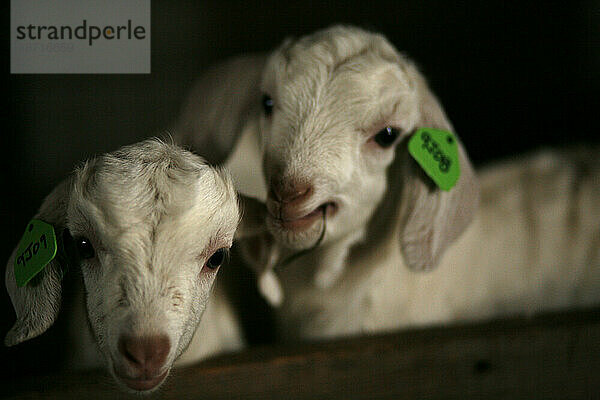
(431, 219)
(38, 302)
(219, 105)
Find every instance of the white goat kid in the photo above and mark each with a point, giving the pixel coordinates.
(328, 151)
(148, 227)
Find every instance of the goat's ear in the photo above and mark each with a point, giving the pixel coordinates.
(38, 302)
(430, 218)
(219, 105)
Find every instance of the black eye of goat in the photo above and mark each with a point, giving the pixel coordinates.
(216, 259)
(84, 248)
(267, 104)
(387, 136)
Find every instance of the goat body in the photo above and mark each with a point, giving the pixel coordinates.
(516, 238)
(534, 245)
(143, 231)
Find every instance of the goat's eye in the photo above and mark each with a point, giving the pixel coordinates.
(267, 105)
(387, 136)
(216, 259)
(84, 248)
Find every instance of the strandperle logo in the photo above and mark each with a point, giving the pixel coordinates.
(80, 36)
(82, 32)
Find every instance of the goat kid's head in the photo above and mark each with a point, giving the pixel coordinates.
(148, 227)
(338, 108)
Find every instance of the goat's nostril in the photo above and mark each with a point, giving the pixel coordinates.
(298, 193)
(147, 354)
(130, 356)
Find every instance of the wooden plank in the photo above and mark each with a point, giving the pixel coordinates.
(552, 356)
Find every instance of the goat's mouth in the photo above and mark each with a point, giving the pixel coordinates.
(142, 383)
(307, 220)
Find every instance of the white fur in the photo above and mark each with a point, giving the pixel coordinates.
(534, 245)
(154, 214)
(531, 245)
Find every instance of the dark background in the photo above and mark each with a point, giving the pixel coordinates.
(511, 77)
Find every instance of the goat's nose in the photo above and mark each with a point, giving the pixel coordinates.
(290, 191)
(145, 354)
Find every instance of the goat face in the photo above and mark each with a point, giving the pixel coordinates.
(147, 226)
(335, 106)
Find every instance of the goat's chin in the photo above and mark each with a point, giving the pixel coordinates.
(143, 386)
(139, 385)
(295, 239)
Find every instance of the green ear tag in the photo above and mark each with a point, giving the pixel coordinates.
(36, 249)
(436, 152)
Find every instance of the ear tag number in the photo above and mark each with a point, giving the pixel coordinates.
(436, 151)
(36, 249)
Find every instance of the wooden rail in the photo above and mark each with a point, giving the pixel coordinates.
(552, 356)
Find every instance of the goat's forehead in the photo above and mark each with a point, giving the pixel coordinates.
(320, 54)
(348, 70)
(364, 90)
(141, 206)
(142, 191)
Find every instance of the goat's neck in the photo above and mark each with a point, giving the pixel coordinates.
(332, 260)
(310, 310)
(326, 266)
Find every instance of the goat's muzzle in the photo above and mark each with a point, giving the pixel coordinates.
(145, 357)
